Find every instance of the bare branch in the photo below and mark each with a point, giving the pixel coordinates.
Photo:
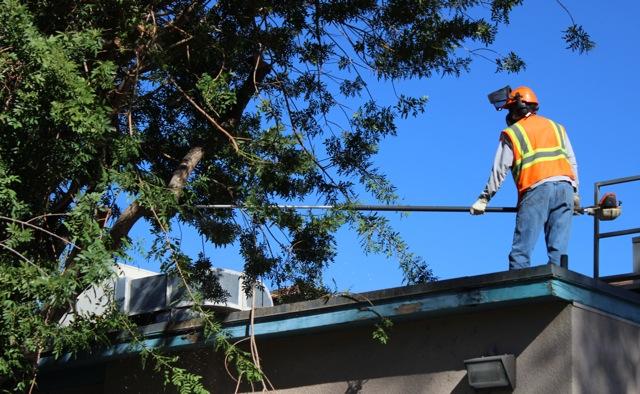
(66, 241)
(206, 115)
(23, 258)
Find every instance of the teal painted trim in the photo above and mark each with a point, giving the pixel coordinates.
(409, 307)
(605, 303)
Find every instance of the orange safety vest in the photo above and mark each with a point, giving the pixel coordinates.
(539, 151)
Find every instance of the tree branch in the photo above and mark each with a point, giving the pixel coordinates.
(63, 202)
(135, 211)
(246, 91)
(204, 113)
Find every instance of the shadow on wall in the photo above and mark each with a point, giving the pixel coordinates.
(544, 366)
(464, 388)
(422, 356)
(606, 354)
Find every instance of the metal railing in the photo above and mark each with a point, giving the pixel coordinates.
(597, 235)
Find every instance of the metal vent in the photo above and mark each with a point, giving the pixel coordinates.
(162, 292)
(147, 295)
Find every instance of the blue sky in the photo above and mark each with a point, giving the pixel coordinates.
(443, 157)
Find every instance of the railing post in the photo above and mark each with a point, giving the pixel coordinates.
(596, 234)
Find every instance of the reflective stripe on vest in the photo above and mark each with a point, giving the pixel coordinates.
(526, 156)
(560, 133)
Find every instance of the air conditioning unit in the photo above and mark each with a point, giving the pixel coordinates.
(160, 292)
(142, 292)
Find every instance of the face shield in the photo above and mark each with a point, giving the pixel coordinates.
(499, 97)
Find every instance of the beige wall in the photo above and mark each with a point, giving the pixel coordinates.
(606, 353)
(427, 356)
(424, 356)
(559, 348)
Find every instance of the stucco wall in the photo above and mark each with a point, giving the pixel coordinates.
(423, 356)
(606, 353)
(559, 348)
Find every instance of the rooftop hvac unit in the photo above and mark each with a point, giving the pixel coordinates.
(140, 292)
(137, 296)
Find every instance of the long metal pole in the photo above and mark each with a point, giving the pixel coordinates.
(387, 208)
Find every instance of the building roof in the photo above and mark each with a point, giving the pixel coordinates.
(537, 284)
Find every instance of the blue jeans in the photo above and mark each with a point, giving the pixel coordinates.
(548, 206)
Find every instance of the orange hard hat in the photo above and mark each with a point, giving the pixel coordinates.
(526, 96)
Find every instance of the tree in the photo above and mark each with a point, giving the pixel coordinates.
(180, 103)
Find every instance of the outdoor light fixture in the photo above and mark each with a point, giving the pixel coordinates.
(492, 371)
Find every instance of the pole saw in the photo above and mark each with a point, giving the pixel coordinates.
(607, 209)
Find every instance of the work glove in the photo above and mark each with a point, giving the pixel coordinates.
(576, 204)
(479, 206)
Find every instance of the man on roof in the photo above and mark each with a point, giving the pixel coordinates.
(539, 155)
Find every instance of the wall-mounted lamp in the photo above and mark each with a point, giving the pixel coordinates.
(492, 371)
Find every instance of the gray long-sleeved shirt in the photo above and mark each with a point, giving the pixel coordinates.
(503, 161)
